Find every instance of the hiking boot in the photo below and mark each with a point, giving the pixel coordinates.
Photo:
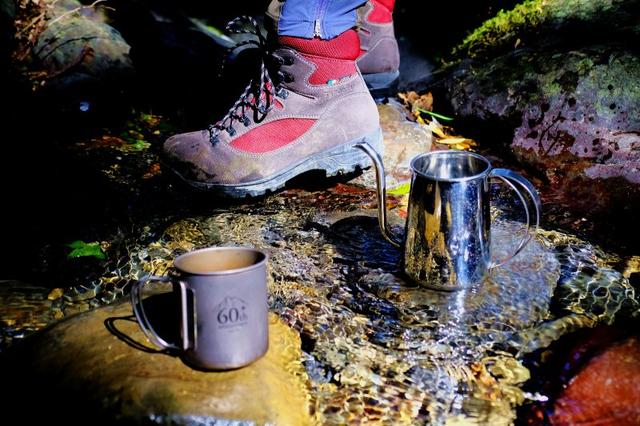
(379, 60)
(309, 118)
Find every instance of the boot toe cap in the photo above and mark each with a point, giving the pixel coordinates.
(190, 155)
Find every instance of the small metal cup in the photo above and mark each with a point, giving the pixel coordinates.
(447, 237)
(224, 307)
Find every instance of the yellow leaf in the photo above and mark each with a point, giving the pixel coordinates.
(453, 141)
(56, 293)
(458, 142)
(402, 189)
(437, 129)
(462, 147)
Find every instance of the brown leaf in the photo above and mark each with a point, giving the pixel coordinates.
(414, 101)
(152, 171)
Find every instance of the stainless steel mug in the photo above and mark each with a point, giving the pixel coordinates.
(224, 307)
(447, 242)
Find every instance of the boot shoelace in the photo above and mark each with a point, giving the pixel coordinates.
(258, 95)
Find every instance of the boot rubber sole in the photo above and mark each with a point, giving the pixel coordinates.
(342, 159)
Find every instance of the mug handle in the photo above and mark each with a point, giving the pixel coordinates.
(143, 320)
(515, 180)
(382, 194)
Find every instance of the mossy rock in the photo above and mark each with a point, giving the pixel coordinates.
(573, 116)
(544, 22)
(76, 49)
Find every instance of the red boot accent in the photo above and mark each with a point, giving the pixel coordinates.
(382, 10)
(386, 3)
(272, 136)
(334, 59)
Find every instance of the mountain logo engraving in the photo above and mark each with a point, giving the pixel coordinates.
(231, 312)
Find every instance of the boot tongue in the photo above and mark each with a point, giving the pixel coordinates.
(334, 59)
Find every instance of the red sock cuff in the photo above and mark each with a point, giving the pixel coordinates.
(345, 46)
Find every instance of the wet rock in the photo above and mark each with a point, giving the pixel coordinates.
(102, 362)
(554, 84)
(606, 390)
(404, 139)
(590, 376)
(81, 58)
(26, 308)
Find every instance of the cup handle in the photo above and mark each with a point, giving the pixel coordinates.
(516, 181)
(143, 320)
(382, 194)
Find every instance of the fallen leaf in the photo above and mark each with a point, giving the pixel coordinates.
(109, 140)
(55, 294)
(150, 119)
(414, 101)
(402, 189)
(82, 249)
(453, 141)
(152, 171)
(437, 128)
(443, 133)
(458, 143)
(138, 145)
